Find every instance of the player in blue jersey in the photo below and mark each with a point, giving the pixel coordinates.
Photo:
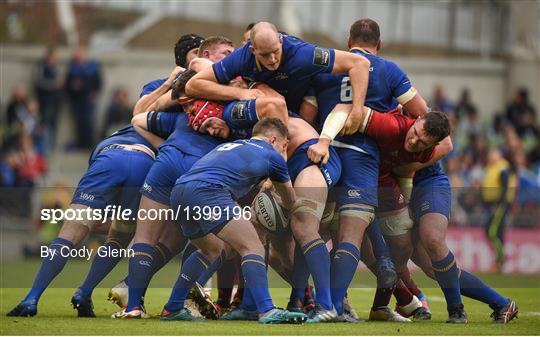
(311, 183)
(117, 168)
(388, 86)
(286, 64)
(430, 205)
(215, 182)
(176, 155)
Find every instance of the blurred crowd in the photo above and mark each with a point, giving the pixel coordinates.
(29, 122)
(507, 142)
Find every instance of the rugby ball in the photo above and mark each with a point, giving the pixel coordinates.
(270, 214)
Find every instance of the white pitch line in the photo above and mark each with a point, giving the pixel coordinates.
(533, 313)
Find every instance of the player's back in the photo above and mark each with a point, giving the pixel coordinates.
(237, 166)
(386, 82)
(126, 136)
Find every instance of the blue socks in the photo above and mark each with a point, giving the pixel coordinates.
(212, 269)
(51, 266)
(194, 266)
(380, 248)
(254, 271)
(473, 287)
(248, 302)
(342, 272)
(318, 262)
(300, 275)
(447, 275)
(140, 273)
(101, 266)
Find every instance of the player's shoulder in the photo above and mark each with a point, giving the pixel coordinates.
(152, 85)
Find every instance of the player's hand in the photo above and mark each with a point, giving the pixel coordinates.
(247, 94)
(352, 124)
(177, 70)
(319, 152)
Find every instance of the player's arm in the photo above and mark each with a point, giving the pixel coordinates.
(440, 151)
(154, 126)
(200, 63)
(416, 106)
(286, 192)
(279, 175)
(140, 125)
(358, 68)
(333, 124)
(404, 92)
(205, 85)
(404, 173)
(144, 103)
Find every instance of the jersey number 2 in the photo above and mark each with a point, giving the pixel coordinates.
(346, 90)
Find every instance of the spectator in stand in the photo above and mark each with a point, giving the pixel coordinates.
(465, 106)
(83, 84)
(441, 102)
(119, 112)
(467, 116)
(16, 109)
(520, 113)
(49, 88)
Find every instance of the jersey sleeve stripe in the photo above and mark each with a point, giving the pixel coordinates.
(407, 96)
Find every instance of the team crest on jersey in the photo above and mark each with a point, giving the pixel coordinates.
(239, 111)
(321, 57)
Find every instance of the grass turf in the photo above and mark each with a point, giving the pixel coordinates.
(56, 317)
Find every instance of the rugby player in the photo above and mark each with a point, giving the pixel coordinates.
(311, 184)
(283, 62)
(176, 155)
(117, 168)
(216, 181)
(388, 86)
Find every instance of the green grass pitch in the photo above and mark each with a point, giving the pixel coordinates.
(56, 317)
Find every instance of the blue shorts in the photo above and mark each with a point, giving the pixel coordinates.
(170, 164)
(359, 177)
(114, 177)
(299, 161)
(431, 194)
(203, 208)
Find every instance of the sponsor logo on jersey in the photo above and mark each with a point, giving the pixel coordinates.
(321, 57)
(239, 111)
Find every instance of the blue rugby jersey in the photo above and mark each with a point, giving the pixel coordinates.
(299, 63)
(239, 166)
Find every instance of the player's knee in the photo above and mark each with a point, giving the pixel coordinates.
(356, 211)
(306, 216)
(250, 247)
(434, 242)
(396, 224)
